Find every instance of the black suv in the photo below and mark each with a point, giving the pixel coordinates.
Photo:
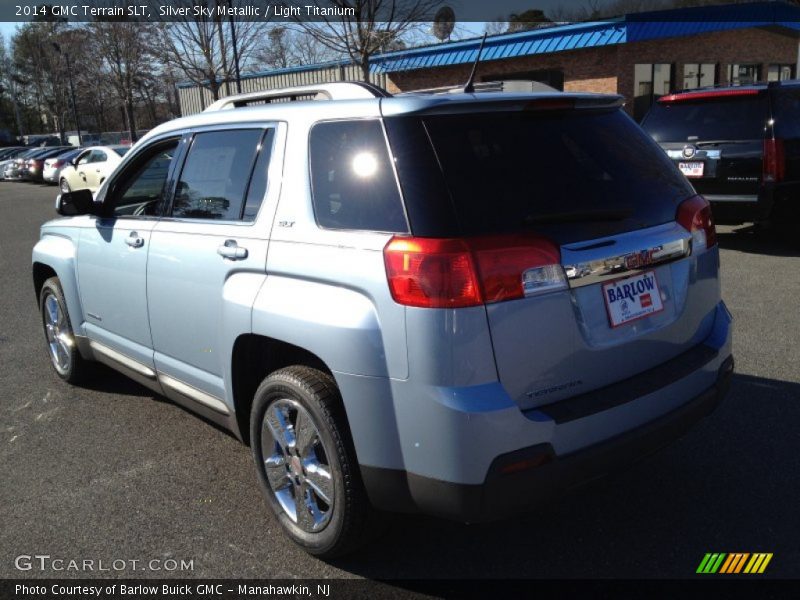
(739, 146)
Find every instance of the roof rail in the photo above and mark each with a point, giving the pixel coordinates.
(339, 90)
(514, 85)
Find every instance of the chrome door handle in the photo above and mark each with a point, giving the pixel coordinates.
(231, 250)
(134, 241)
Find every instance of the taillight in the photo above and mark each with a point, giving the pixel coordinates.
(695, 216)
(774, 160)
(453, 273)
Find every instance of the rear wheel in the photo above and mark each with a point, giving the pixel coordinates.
(306, 462)
(64, 186)
(61, 346)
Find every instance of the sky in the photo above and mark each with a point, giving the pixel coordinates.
(7, 29)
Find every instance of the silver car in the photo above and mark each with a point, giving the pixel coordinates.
(452, 304)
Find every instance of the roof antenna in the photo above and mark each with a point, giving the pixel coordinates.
(469, 88)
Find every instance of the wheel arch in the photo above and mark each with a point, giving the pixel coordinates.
(253, 358)
(54, 256)
(41, 273)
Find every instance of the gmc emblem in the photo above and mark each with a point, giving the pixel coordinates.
(637, 260)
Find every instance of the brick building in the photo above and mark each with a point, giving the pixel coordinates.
(640, 56)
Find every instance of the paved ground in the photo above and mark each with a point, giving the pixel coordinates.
(112, 472)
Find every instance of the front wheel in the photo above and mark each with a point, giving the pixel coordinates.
(306, 463)
(63, 352)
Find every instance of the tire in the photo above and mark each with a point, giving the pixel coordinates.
(64, 186)
(324, 529)
(65, 358)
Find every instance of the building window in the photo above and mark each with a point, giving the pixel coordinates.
(779, 72)
(739, 74)
(697, 75)
(651, 81)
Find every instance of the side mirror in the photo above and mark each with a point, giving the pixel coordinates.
(79, 202)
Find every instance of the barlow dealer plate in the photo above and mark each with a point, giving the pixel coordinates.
(692, 169)
(632, 298)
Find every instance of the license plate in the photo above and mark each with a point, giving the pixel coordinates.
(632, 298)
(692, 169)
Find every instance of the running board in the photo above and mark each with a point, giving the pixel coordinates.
(192, 393)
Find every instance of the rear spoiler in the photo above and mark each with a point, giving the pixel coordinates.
(466, 103)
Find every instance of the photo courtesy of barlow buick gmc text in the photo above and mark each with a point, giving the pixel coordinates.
(399, 299)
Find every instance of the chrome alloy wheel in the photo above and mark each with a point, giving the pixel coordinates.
(59, 334)
(296, 464)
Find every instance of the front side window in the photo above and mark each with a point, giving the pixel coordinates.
(216, 174)
(140, 188)
(353, 183)
(84, 158)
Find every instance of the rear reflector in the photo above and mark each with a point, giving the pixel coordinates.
(695, 216)
(705, 95)
(774, 160)
(453, 273)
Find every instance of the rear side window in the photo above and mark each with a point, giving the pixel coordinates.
(720, 119)
(572, 175)
(352, 179)
(258, 182)
(216, 174)
(787, 113)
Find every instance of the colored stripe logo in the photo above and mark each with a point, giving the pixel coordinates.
(734, 563)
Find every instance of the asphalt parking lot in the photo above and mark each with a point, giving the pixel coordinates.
(111, 471)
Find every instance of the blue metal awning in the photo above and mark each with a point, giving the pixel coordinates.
(637, 27)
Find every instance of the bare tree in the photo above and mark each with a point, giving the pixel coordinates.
(41, 74)
(288, 47)
(375, 26)
(198, 47)
(124, 50)
(495, 27)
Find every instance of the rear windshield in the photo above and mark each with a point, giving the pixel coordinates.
(574, 175)
(722, 119)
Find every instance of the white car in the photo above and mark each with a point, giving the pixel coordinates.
(53, 166)
(90, 168)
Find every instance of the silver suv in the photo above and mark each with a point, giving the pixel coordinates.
(452, 304)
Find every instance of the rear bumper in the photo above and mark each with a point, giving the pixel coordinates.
(523, 479)
(471, 454)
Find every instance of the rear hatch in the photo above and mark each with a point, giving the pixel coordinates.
(716, 138)
(589, 188)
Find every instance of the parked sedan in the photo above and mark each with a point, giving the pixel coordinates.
(54, 166)
(10, 151)
(16, 168)
(7, 160)
(34, 166)
(91, 167)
